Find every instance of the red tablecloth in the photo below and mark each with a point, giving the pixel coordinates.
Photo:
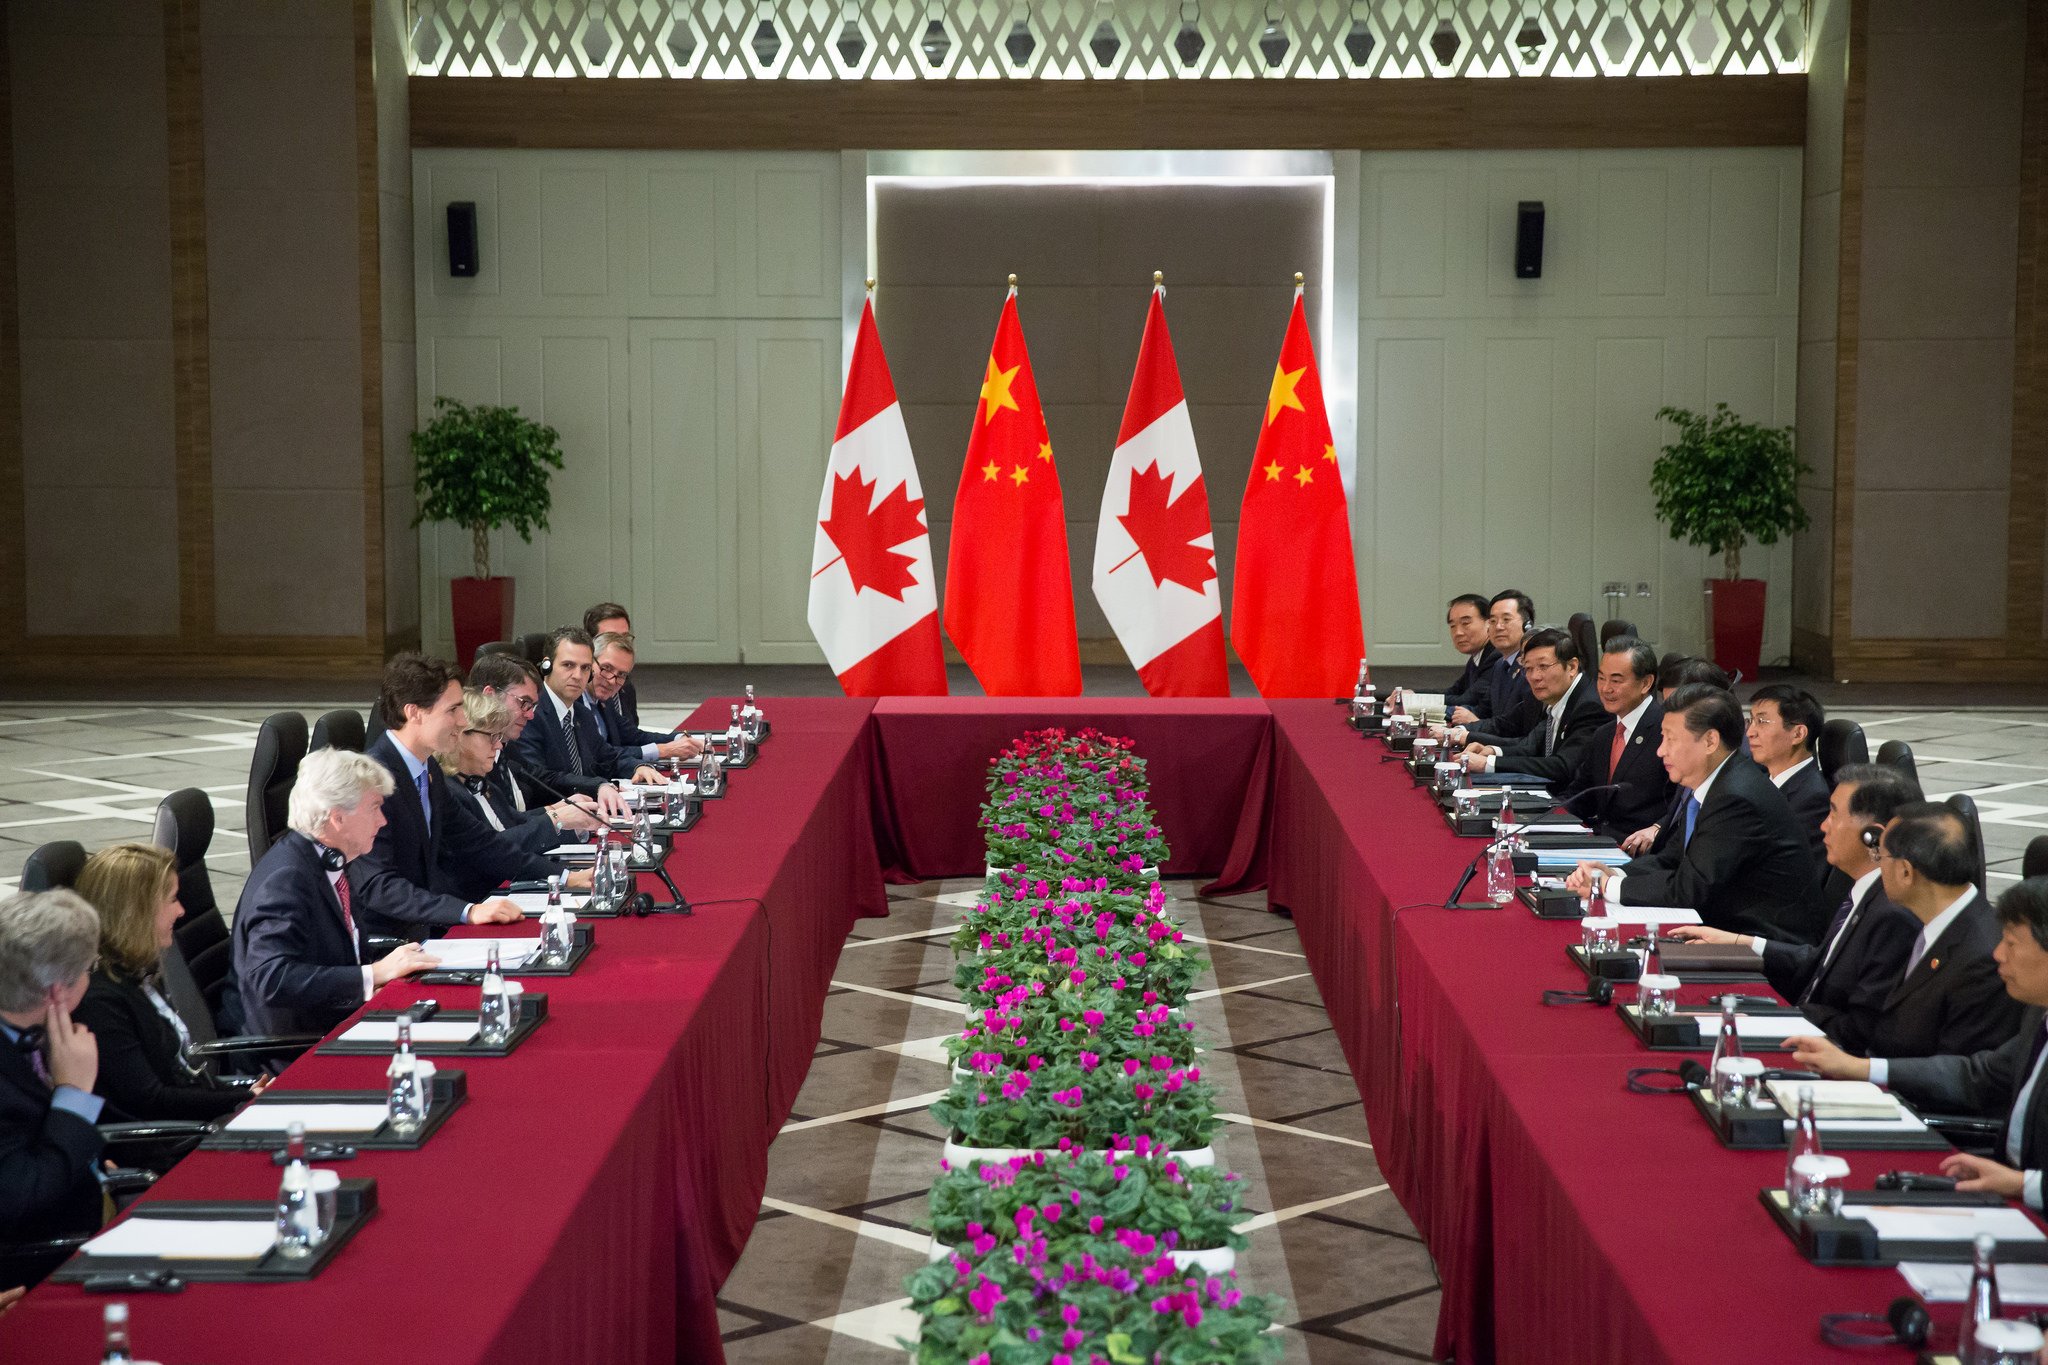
(602, 1179)
(1207, 760)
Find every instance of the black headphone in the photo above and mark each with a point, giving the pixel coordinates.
(1599, 991)
(331, 858)
(1905, 1323)
(1657, 1080)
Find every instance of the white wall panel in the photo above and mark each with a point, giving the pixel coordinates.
(685, 490)
(1668, 277)
(788, 403)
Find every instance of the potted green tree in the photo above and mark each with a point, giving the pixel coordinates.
(483, 467)
(1721, 484)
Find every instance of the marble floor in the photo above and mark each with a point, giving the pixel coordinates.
(821, 1280)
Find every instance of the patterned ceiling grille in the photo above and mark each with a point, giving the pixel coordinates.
(1097, 40)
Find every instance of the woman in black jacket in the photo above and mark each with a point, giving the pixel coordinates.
(144, 1071)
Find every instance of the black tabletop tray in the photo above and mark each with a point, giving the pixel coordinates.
(1762, 1129)
(582, 938)
(451, 1092)
(354, 1205)
(1848, 1240)
(1682, 1033)
(533, 1008)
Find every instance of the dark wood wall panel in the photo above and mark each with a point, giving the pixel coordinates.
(1373, 115)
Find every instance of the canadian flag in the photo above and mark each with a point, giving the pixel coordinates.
(1155, 555)
(873, 605)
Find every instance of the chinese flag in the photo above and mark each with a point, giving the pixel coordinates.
(1009, 594)
(1294, 605)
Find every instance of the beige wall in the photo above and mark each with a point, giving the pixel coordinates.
(1827, 73)
(92, 233)
(191, 186)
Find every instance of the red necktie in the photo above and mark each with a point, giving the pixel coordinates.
(341, 892)
(1614, 750)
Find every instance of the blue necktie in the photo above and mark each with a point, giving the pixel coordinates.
(426, 802)
(1692, 814)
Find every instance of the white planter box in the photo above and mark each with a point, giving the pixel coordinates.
(959, 1155)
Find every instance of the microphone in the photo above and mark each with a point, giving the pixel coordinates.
(1693, 1073)
(1471, 870)
(680, 906)
(1570, 802)
(1915, 1180)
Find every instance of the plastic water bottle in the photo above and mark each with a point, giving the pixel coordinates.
(710, 773)
(116, 1351)
(750, 716)
(1980, 1305)
(297, 1218)
(493, 1024)
(1500, 871)
(1653, 956)
(402, 1108)
(1728, 1039)
(554, 891)
(735, 734)
(1805, 1141)
(1504, 822)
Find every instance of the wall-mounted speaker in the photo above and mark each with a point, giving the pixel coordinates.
(462, 257)
(1528, 239)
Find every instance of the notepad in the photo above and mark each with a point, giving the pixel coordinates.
(1936, 1223)
(196, 1239)
(1949, 1281)
(569, 853)
(1651, 914)
(1572, 857)
(1766, 1026)
(1836, 1099)
(426, 1031)
(469, 954)
(1520, 827)
(318, 1118)
(536, 903)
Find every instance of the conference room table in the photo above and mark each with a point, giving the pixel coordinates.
(601, 1182)
(598, 1185)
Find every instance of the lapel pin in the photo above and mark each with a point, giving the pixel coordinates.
(1935, 965)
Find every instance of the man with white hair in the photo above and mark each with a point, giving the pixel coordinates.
(49, 944)
(299, 959)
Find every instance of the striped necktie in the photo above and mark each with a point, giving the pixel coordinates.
(569, 738)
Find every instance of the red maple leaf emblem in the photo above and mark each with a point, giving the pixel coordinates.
(866, 537)
(1165, 532)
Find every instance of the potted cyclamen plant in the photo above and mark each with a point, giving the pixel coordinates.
(1723, 483)
(483, 468)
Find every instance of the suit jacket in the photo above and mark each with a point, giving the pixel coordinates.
(1745, 869)
(533, 790)
(614, 729)
(1952, 1002)
(47, 1157)
(1985, 1082)
(1581, 720)
(416, 875)
(141, 1070)
(1511, 708)
(542, 749)
(1848, 997)
(1807, 792)
(531, 831)
(1645, 789)
(1470, 688)
(296, 967)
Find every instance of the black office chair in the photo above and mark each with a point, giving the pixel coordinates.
(1610, 629)
(26, 1263)
(1896, 753)
(53, 865)
(1841, 743)
(534, 647)
(510, 647)
(342, 729)
(202, 957)
(280, 748)
(2035, 861)
(1962, 805)
(1585, 639)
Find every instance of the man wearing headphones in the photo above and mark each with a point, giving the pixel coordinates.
(2003, 1081)
(561, 744)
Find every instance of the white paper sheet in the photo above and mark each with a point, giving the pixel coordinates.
(468, 954)
(1949, 1281)
(569, 853)
(429, 1031)
(213, 1239)
(1519, 828)
(1650, 914)
(1837, 1099)
(318, 1118)
(1932, 1223)
(1572, 857)
(1904, 1123)
(536, 902)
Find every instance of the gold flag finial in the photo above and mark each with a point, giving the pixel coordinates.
(1297, 279)
(871, 284)
(1158, 278)
(1013, 281)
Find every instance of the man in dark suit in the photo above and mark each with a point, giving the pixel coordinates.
(1571, 713)
(300, 963)
(1676, 671)
(1784, 725)
(1466, 618)
(611, 675)
(2002, 1079)
(610, 618)
(1619, 784)
(1733, 854)
(1510, 710)
(430, 842)
(1842, 982)
(561, 744)
(49, 1144)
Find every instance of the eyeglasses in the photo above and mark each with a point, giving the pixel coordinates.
(610, 674)
(496, 737)
(524, 705)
